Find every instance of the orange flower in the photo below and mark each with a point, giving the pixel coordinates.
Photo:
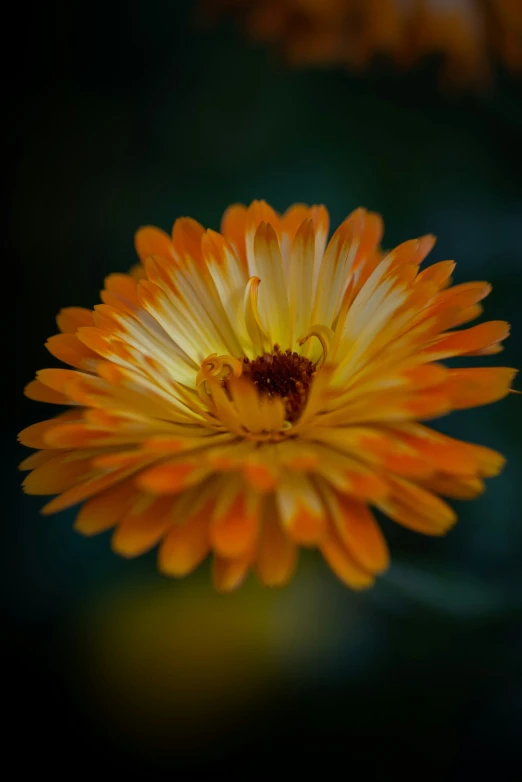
(468, 34)
(252, 391)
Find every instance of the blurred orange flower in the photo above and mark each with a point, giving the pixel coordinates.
(468, 34)
(253, 391)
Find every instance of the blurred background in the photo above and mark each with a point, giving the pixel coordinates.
(125, 114)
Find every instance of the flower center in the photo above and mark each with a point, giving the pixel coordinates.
(284, 374)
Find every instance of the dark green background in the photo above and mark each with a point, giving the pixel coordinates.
(128, 114)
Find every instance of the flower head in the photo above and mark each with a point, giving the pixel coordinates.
(252, 391)
(468, 34)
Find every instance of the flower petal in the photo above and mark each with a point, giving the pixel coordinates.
(229, 574)
(342, 563)
(188, 542)
(70, 319)
(418, 509)
(105, 509)
(359, 532)
(276, 554)
(301, 509)
(235, 524)
(141, 529)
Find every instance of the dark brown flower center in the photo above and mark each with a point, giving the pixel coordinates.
(283, 374)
